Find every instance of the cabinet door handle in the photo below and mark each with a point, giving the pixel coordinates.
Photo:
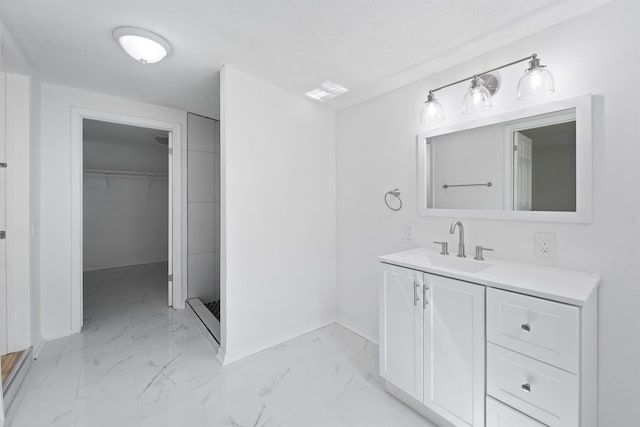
(526, 387)
(526, 327)
(425, 301)
(416, 298)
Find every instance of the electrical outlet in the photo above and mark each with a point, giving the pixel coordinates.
(545, 245)
(410, 231)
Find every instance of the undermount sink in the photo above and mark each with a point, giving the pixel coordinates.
(452, 262)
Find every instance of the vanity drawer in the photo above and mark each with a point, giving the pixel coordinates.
(546, 393)
(542, 329)
(501, 415)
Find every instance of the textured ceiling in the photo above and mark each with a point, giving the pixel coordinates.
(369, 46)
(119, 134)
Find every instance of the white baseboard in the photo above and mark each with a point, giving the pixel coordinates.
(226, 358)
(357, 329)
(220, 356)
(58, 336)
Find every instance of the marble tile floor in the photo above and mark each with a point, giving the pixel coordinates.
(139, 363)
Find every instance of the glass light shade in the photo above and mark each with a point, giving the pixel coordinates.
(535, 81)
(431, 112)
(477, 97)
(143, 46)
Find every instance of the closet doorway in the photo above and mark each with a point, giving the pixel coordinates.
(126, 221)
(126, 204)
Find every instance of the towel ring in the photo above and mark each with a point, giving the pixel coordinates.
(396, 193)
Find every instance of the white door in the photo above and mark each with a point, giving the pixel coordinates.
(170, 225)
(3, 223)
(3, 217)
(454, 341)
(522, 172)
(401, 335)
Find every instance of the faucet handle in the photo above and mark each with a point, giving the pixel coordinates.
(479, 250)
(444, 250)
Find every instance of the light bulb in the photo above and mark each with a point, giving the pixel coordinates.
(477, 97)
(432, 111)
(537, 80)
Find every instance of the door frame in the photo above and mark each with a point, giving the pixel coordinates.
(175, 165)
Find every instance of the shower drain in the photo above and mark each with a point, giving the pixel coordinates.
(214, 308)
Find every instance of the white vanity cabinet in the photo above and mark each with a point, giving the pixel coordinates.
(401, 313)
(538, 358)
(432, 342)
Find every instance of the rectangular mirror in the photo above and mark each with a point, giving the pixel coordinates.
(533, 164)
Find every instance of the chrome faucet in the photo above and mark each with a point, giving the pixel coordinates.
(452, 230)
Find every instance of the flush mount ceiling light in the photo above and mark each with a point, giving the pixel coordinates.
(142, 45)
(327, 90)
(537, 80)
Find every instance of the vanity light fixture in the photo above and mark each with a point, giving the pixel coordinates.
(142, 45)
(537, 80)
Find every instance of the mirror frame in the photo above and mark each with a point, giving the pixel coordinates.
(584, 159)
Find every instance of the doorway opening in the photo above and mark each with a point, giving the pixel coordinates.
(126, 217)
(172, 275)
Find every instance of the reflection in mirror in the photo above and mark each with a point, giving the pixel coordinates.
(524, 165)
(468, 169)
(544, 169)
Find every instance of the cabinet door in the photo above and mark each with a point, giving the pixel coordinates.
(401, 352)
(454, 341)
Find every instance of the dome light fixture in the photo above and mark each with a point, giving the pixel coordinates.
(144, 46)
(537, 80)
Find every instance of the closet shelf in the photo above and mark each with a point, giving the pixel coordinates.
(140, 174)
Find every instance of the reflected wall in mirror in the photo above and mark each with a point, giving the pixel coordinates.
(467, 169)
(544, 168)
(519, 166)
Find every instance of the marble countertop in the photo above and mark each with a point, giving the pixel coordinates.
(566, 286)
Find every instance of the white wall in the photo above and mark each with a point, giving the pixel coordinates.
(203, 267)
(278, 214)
(376, 151)
(105, 155)
(57, 102)
(125, 219)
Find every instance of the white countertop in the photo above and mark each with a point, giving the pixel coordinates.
(566, 286)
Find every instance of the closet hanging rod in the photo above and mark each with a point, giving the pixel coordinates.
(105, 172)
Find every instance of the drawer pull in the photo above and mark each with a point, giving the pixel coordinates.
(526, 387)
(526, 327)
